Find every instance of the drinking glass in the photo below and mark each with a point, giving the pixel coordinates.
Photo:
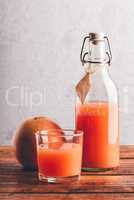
(59, 154)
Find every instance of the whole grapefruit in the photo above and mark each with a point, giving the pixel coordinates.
(25, 143)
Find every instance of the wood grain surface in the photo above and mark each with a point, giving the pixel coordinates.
(16, 184)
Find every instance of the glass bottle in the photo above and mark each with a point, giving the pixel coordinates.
(97, 106)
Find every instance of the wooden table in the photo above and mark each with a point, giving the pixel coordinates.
(17, 184)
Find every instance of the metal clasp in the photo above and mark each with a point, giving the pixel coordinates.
(83, 54)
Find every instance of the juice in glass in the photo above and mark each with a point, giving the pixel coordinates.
(61, 162)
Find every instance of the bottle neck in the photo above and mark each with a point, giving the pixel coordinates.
(100, 78)
(97, 57)
(96, 69)
(97, 51)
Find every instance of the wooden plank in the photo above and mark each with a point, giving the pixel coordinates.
(127, 151)
(87, 184)
(14, 180)
(126, 168)
(67, 197)
(7, 154)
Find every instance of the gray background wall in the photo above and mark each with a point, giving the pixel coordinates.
(39, 58)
